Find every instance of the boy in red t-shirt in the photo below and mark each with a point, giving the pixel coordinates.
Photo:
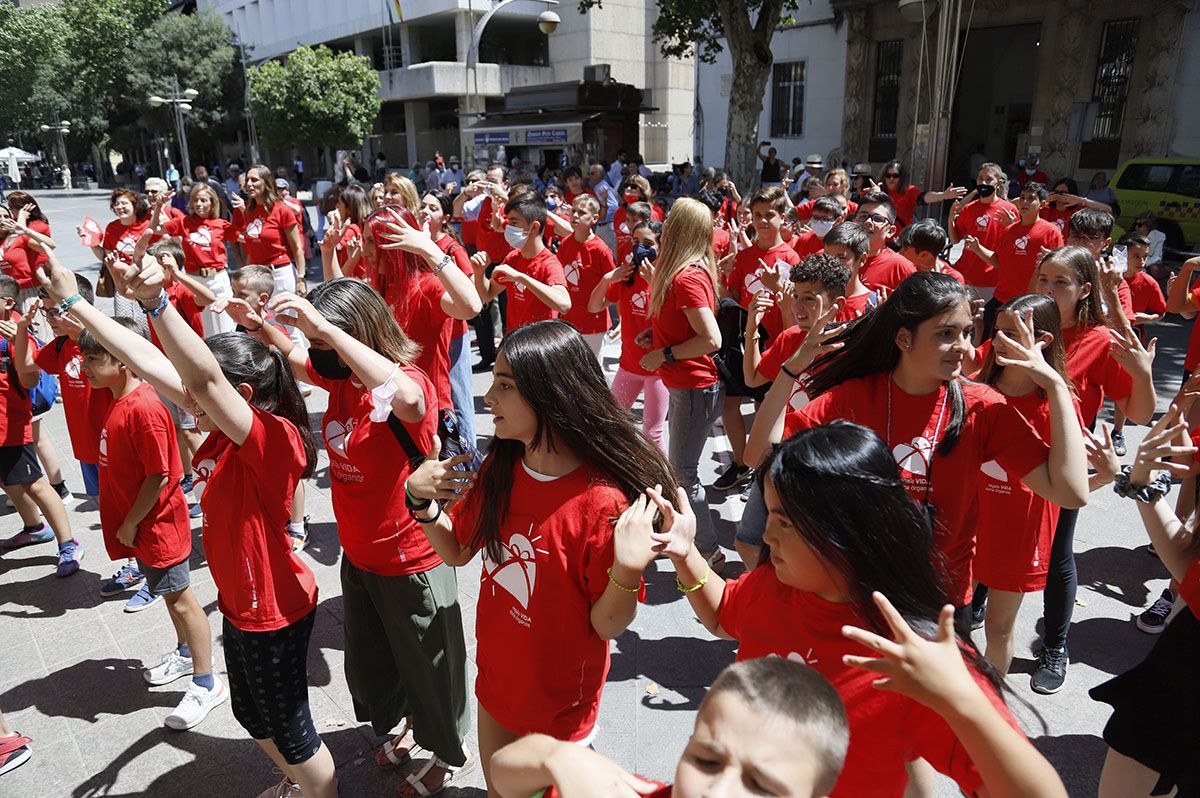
(1148, 304)
(20, 475)
(143, 514)
(922, 245)
(884, 268)
(850, 243)
(532, 272)
(585, 259)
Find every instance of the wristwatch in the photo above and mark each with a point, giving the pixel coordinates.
(668, 355)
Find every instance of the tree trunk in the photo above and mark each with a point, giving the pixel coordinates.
(745, 106)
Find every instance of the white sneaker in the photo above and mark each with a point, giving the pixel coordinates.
(171, 668)
(196, 704)
(284, 789)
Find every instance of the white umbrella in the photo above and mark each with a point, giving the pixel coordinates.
(19, 155)
(14, 173)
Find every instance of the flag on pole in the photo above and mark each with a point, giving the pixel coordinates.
(395, 13)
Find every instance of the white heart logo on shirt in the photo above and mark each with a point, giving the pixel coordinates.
(201, 237)
(254, 229)
(914, 457)
(982, 222)
(799, 399)
(639, 302)
(1061, 224)
(1021, 243)
(203, 471)
(993, 470)
(126, 245)
(572, 271)
(104, 443)
(74, 367)
(336, 434)
(517, 570)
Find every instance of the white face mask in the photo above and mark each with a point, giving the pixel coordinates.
(821, 227)
(1030, 170)
(516, 237)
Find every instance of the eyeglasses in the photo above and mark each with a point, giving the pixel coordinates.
(52, 314)
(1080, 237)
(874, 218)
(891, 175)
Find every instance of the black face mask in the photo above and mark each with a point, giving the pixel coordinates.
(327, 364)
(985, 189)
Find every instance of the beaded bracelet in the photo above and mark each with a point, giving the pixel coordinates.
(703, 581)
(613, 579)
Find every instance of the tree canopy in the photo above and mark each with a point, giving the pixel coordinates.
(317, 97)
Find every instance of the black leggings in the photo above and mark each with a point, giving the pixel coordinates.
(268, 686)
(1062, 580)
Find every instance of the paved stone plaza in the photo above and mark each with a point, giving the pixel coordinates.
(70, 667)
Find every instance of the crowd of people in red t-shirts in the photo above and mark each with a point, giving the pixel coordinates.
(923, 436)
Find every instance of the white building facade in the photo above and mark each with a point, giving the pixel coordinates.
(421, 49)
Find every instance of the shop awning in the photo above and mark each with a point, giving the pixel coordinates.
(528, 129)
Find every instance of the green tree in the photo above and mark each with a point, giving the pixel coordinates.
(697, 27)
(317, 97)
(32, 64)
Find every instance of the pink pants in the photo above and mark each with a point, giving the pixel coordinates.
(626, 386)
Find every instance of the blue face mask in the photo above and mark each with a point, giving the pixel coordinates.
(515, 236)
(642, 252)
(551, 203)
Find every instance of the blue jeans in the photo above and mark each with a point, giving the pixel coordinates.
(754, 518)
(91, 478)
(693, 411)
(460, 389)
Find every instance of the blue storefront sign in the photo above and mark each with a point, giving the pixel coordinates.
(486, 139)
(547, 136)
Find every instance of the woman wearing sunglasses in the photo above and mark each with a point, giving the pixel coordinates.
(906, 197)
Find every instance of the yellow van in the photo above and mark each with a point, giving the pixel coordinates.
(1168, 186)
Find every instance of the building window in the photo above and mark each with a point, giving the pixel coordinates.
(787, 99)
(889, 60)
(1113, 69)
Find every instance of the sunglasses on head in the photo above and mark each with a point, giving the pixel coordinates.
(892, 175)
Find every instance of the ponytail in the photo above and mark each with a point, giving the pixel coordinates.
(958, 415)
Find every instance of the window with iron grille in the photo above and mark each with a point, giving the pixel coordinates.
(889, 58)
(1113, 70)
(787, 99)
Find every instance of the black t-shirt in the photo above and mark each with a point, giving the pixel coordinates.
(772, 172)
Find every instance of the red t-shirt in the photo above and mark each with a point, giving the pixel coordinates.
(887, 730)
(123, 239)
(184, 301)
(633, 308)
(913, 427)
(984, 221)
(1192, 358)
(1145, 295)
(16, 408)
(1189, 588)
(1015, 526)
(353, 233)
(691, 288)
(458, 327)
(1018, 250)
(265, 233)
(246, 492)
(941, 267)
(1060, 217)
(885, 269)
(489, 238)
(297, 208)
(541, 664)
(584, 266)
(523, 306)
(778, 353)
(137, 440)
(426, 323)
(203, 241)
(1094, 372)
(18, 261)
(624, 232)
(84, 406)
(367, 470)
(807, 244)
(722, 242)
(906, 202)
(857, 305)
(744, 280)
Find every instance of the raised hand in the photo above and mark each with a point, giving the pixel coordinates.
(480, 260)
(308, 319)
(819, 340)
(438, 479)
(1007, 216)
(236, 202)
(239, 310)
(26, 321)
(762, 302)
(58, 281)
(1127, 350)
(972, 243)
(678, 534)
(770, 276)
(1100, 454)
(8, 329)
(954, 192)
(143, 283)
(633, 536)
(1161, 445)
(402, 235)
(1025, 352)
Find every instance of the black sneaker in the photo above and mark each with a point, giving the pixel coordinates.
(977, 616)
(733, 477)
(1051, 671)
(1118, 442)
(62, 490)
(1154, 620)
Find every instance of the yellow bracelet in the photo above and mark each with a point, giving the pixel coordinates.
(613, 579)
(703, 581)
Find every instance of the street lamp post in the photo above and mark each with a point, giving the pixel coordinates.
(181, 103)
(59, 128)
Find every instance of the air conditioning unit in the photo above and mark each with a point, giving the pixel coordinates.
(597, 73)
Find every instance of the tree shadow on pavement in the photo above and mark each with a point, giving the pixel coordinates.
(675, 663)
(1120, 573)
(1078, 759)
(89, 689)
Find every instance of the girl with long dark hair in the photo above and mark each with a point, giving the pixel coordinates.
(557, 583)
(841, 528)
(258, 449)
(342, 244)
(24, 237)
(405, 655)
(900, 374)
(1100, 362)
(893, 179)
(1016, 526)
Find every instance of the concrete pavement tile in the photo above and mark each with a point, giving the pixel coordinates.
(53, 770)
(662, 724)
(25, 706)
(616, 736)
(63, 646)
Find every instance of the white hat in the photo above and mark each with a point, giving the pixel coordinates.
(815, 160)
(156, 184)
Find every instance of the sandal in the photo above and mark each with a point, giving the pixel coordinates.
(451, 777)
(388, 757)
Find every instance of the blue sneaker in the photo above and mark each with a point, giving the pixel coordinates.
(122, 580)
(185, 484)
(194, 511)
(27, 537)
(141, 600)
(68, 559)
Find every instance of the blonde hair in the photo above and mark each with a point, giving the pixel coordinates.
(214, 208)
(841, 176)
(642, 185)
(686, 239)
(375, 198)
(358, 310)
(589, 203)
(407, 188)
